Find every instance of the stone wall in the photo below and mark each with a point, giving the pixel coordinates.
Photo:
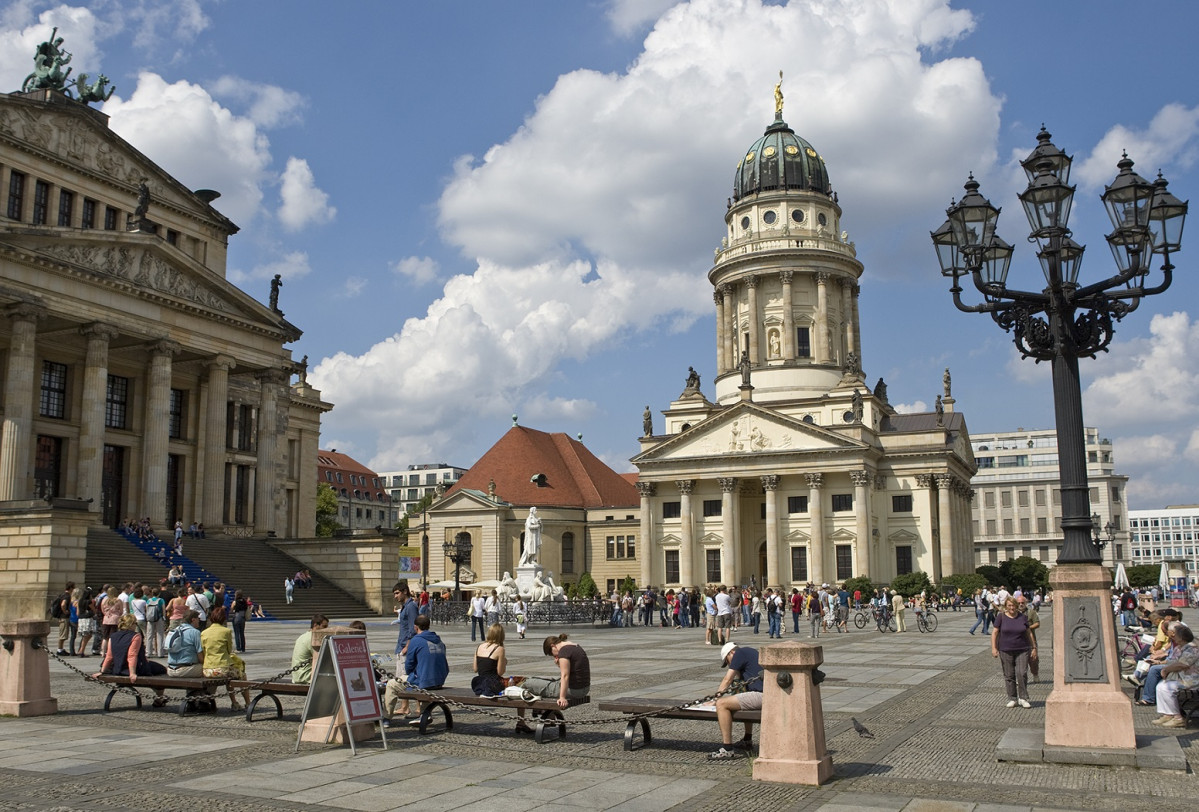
(41, 548)
(361, 565)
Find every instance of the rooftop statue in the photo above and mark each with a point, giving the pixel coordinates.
(692, 381)
(98, 91)
(48, 61)
(778, 96)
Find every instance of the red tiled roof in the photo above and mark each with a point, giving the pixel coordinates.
(344, 463)
(631, 477)
(574, 477)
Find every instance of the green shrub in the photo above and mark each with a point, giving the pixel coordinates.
(911, 583)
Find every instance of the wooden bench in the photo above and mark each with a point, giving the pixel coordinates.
(637, 705)
(268, 690)
(191, 685)
(546, 713)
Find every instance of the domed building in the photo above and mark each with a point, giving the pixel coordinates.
(795, 471)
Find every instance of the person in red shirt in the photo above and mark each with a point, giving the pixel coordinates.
(796, 608)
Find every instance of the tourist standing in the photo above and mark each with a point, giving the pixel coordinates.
(1013, 643)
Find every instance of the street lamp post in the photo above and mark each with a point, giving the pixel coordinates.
(1060, 324)
(458, 551)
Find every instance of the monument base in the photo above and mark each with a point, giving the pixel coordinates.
(1087, 708)
(792, 745)
(524, 579)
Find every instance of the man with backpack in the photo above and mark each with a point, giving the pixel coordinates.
(60, 610)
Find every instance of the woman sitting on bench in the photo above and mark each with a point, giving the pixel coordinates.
(126, 657)
(573, 680)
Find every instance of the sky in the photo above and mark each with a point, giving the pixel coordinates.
(484, 209)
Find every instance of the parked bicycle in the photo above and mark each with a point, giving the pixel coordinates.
(884, 619)
(926, 620)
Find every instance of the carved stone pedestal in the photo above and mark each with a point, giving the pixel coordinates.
(1087, 709)
(524, 579)
(792, 748)
(24, 670)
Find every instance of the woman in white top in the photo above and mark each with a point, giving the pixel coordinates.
(522, 616)
(137, 608)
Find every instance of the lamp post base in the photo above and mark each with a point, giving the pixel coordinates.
(1087, 708)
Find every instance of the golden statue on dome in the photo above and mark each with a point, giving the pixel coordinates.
(778, 97)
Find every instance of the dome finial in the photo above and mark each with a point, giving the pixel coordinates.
(778, 98)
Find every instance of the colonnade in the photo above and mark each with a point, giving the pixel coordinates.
(147, 490)
(826, 348)
(943, 497)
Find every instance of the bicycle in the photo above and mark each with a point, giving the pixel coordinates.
(926, 620)
(861, 617)
(885, 621)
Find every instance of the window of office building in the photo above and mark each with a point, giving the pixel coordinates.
(989, 499)
(1005, 498)
(1042, 524)
(1039, 497)
(1022, 498)
(1007, 527)
(1025, 525)
(991, 527)
(1009, 553)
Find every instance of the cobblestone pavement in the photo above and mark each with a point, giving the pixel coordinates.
(933, 701)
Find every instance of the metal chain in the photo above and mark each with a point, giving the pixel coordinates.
(89, 678)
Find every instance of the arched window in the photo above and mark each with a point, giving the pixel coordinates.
(568, 552)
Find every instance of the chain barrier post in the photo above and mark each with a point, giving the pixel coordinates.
(792, 746)
(25, 669)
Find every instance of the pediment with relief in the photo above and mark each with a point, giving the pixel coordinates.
(748, 429)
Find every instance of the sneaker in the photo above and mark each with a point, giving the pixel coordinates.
(62, 652)
(1134, 679)
(1011, 703)
(723, 754)
(1161, 720)
(1174, 722)
(1024, 703)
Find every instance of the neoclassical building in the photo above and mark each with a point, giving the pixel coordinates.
(134, 374)
(796, 471)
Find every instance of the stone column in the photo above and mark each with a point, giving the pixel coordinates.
(755, 327)
(861, 510)
(267, 494)
(944, 559)
(730, 338)
(816, 516)
(686, 537)
(847, 331)
(15, 456)
(728, 530)
(855, 289)
(91, 413)
(721, 360)
(770, 484)
(928, 508)
(820, 348)
(967, 558)
(647, 546)
(157, 434)
(788, 317)
(212, 508)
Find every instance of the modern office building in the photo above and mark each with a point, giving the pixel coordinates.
(409, 486)
(1017, 508)
(1165, 535)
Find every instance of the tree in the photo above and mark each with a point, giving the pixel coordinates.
(1025, 572)
(860, 583)
(416, 510)
(991, 574)
(965, 581)
(628, 584)
(911, 583)
(326, 510)
(1143, 575)
(586, 587)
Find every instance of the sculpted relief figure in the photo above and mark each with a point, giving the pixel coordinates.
(528, 558)
(507, 590)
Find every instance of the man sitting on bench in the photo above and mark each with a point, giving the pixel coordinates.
(573, 680)
(742, 664)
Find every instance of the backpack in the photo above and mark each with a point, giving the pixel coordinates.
(153, 611)
(56, 607)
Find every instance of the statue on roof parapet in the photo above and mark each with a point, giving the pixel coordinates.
(98, 91)
(48, 62)
(778, 97)
(692, 387)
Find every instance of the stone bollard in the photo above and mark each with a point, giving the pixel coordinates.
(792, 748)
(25, 669)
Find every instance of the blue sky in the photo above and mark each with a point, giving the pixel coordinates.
(485, 209)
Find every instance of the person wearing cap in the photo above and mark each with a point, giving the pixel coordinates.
(741, 663)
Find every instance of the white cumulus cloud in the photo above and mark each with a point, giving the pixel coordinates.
(291, 265)
(627, 16)
(420, 270)
(21, 32)
(597, 217)
(917, 407)
(1172, 138)
(303, 204)
(266, 105)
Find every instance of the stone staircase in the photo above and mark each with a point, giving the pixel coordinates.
(249, 564)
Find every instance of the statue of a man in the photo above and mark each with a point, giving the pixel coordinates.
(778, 96)
(304, 370)
(744, 366)
(880, 390)
(946, 381)
(507, 590)
(647, 422)
(276, 283)
(143, 201)
(692, 380)
(528, 557)
(940, 411)
(856, 406)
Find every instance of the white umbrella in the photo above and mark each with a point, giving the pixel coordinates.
(442, 585)
(1121, 580)
(1163, 580)
(484, 585)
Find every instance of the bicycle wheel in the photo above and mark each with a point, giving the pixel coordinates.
(921, 623)
(930, 620)
(891, 625)
(859, 620)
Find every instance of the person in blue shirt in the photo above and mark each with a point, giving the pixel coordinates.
(426, 662)
(185, 651)
(741, 663)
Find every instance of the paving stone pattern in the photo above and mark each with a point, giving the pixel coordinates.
(934, 703)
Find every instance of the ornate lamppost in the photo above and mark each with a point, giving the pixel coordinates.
(458, 551)
(1060, 324)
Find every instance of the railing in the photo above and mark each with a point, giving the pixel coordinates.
(537, 613)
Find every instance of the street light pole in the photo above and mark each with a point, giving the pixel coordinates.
(1060, 324)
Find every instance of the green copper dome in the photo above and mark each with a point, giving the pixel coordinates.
(780, 159)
